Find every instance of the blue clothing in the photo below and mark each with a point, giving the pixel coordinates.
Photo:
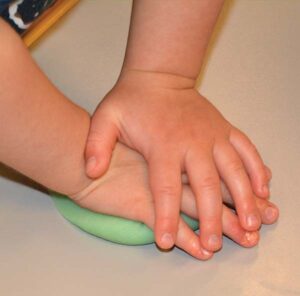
(20, 14)
(3, 4)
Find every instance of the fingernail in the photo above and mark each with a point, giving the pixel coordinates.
(270, 213)
(213, 240)
(167, 240)
(265, 189)
(252, 220)
(205, 252)
(91, 163)
(251, 237)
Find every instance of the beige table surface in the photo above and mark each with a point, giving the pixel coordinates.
(252, 75)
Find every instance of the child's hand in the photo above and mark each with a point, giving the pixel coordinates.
(177, 130)
(124, 191)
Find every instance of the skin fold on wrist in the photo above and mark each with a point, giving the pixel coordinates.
(155, 79)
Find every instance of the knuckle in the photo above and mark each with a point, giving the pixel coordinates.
(92, 147)
(94, 143)
(94, 136)
(252, 148)
(239, 133)
(209, 183)
(168, 191)
(236, 166)
(213, 221)
(167, 222)
(193, 243)
(249, 145)
(268, 173)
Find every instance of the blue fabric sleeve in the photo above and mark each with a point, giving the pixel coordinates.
(3, 4)
(21, 14)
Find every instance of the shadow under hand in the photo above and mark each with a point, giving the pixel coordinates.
(12, 175)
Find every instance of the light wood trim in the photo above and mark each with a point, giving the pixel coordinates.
(55, 13)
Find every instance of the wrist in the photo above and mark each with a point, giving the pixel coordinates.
(68, 173)
(147, 78)
(119, 156)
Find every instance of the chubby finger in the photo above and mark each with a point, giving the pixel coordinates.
(205, 183)
(186, 238)
(227, 198)
(165, 184)
(230, 223)
(101, 140)
(233, 230)
(185, 179)
(236, 179)
(188, 241)
(268, 211)
(252, 161)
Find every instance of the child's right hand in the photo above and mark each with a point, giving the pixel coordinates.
(177, 130)
(124, 191)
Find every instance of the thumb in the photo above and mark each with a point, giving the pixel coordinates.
(100, 143)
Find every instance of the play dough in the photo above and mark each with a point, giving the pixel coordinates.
(111, 228)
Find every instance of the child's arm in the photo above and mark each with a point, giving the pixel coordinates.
(42, 133)
(155, 110)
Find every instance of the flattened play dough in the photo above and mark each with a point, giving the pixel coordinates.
(111, 228)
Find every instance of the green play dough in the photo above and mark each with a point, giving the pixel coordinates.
(111, 228)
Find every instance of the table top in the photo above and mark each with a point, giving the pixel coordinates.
(251, 74)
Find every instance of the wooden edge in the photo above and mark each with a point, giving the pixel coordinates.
(46, 21)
